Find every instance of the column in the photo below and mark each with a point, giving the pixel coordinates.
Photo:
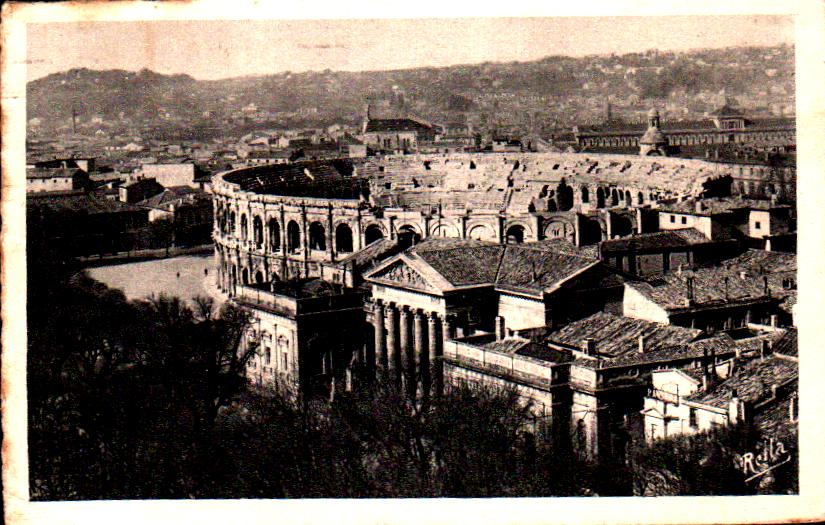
(406, 345)
(434, 356)
(419, 353)
(330, 236)
(283, 232)
(393, 361)
(380, 357)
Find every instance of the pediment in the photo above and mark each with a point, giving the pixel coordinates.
(403, 274)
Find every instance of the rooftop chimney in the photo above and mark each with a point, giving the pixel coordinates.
(589, 346)
(500, 331)
(743, 274)
(774, 320)
(642, 341)
(690, 298)
(764, 348)
(774, 390)
(698, 206)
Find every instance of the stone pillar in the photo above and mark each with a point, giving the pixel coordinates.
(419, 351)
(330, 236)
(283, 233)
(434, 356)
(406, 356)
(393, 355)
(380, 358)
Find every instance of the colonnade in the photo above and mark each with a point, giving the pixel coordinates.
(408, 347)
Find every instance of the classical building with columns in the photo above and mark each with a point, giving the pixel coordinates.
(410, 252)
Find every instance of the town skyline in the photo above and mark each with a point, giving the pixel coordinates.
(318, 45)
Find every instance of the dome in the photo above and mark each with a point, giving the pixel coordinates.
(653, 135)
(653, 113)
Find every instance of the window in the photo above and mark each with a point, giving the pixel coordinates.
(266, 355)
(684, 220)
(757, 225)
(672, 218)
(286, 361)
(692, 418)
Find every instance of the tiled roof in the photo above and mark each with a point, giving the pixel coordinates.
(371, 254)
(720, 344)
(788, 344)
(726, 111)
(615, 335)
(670, 290)
(89, 203)
(534, 269)
(395, 124)
(544, 353)
(761, 260)
(774, 419)
(654, 241)
(751, 381)
(529, 268)
(509, 345)
(53, 173)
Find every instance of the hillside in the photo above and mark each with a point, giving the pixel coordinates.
(558, 89)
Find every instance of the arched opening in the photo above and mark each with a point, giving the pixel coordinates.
(481, 233)
(274, 235)
(343, 239)
(245, 276)
(564, 196)
(559, 230)
(407, 236)
(640, 198)
(590, 231)
(231, 226)
(515, 234)
(585, 195)
(622, 226)
(317, 237)
(614, 197)
(551, 205)
(259, 277)
(599, 198)
(244, 228)
(258, 232)
(628, 199)
(293, 237)
(372, 233)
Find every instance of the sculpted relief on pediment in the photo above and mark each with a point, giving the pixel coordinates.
(403, 274)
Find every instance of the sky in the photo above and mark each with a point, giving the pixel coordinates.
(213, 49)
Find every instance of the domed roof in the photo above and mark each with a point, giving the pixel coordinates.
(653, 135)
(653, 112)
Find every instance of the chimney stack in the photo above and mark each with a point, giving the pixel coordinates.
(500, 331)
(589, 346)
(698, 206)
(774, 320)
(690, 298)
(642, 340)
(736, 408)
(774, 390)
(764, 349)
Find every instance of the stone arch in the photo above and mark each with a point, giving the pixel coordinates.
(343, 238)
(621, 226)
(600, 198)
(258, 231)
(444, 230)
(614, 197)
(373, 233)
(551, 205)
(245, 276)
(293, 237)
(559, 229)
(640, 198)
(591, 231)
(628, 199)
(564, 196)
(274, 235)
(231, 225)
(259, 277)
(244, 227)
(481, 232)
(408, 235)
(585, 195)
(515, 234)
(317, 236)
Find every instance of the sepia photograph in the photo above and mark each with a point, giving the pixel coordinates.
(408, 258)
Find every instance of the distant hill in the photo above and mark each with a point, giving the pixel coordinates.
(147, 98)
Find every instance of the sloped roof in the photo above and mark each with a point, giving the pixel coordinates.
(395, 124)
(90, 203)
(751, 381)
(54, 173)
(788, 344)
(658, 240)
(617, 335)
(524, 268)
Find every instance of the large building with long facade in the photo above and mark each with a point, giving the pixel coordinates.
(486, 267)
